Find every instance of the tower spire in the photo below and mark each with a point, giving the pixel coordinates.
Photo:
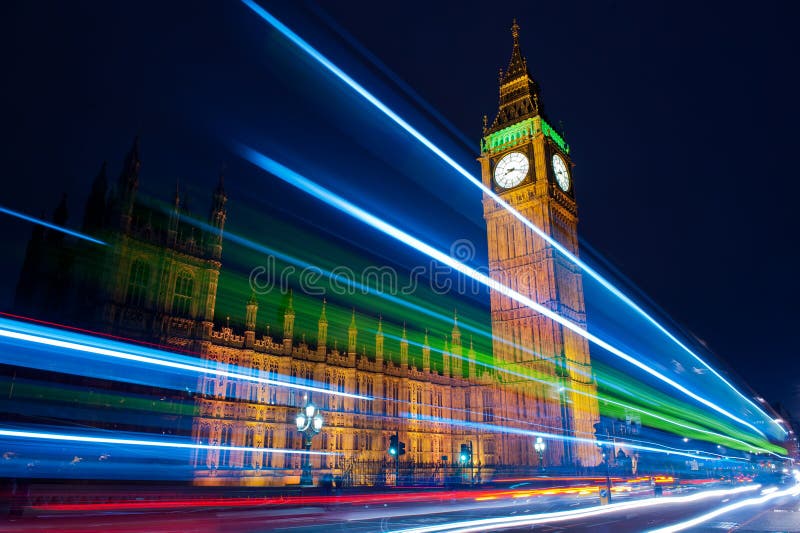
(251, 310)
(288, 325)
(404, 348)
(322, 330)
(128, 183)
(519, 92)
(515, 32)
(352, 335)
(217, 216)
(426, 354)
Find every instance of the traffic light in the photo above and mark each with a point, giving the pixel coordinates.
(466, 454)
(401, 448)
(394, 446)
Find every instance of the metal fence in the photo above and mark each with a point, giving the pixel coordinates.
(388, 472)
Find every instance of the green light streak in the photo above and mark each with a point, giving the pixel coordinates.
(618, 393)
(26, 390)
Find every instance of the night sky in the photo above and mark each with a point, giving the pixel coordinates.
(682, 119)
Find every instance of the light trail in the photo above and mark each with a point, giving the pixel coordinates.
(321, 193)
(338, 278)
(6, 331)
(37, 435)
(766, 496)
(423, 496)
(450, 421)
(248, 243)
(372, 99)
(50, 225)
(505, 522)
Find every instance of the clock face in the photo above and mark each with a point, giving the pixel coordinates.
(561, 172)
(511, 170)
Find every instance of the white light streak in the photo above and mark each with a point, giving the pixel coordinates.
(369, 97)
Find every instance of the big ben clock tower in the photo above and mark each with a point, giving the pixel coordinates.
(548, 377)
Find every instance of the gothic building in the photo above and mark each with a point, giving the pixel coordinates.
(157, 280)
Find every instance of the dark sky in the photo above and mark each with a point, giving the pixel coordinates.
(682, 118)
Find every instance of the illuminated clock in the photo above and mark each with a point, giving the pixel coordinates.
(561, 172)
(511, 170)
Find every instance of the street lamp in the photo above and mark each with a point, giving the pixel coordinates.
(540, 446)
(309, 422)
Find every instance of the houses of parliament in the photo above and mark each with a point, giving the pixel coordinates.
(157, 281)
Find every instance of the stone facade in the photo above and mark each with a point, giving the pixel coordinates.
(157, 280)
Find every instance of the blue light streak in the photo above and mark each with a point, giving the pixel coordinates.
(83, 343)
(334, 200)
(248, 243)
(42, 335)
(38, 435)
(50, 225)
(369, 97)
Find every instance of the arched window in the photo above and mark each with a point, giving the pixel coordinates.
(269, 440)
(357, 403)
(249, 441)
(209, 388)
(202, 453)
(294, 393)
(272, 368)
(182, 298)
(327, 402)
(138, 283)
(230, 389)
(225, 440)
(488, 407)
(369, 393)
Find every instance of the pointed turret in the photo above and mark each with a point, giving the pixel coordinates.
(426, 353)
(95, 212)
(288, 325)
(127, 185)
(252, 310)
(455, 348)
(352, 336)
(446, 359)
(404, 348)
(379, 343)
(174, 217)
(519, 92)
(322, 330)
(471, 357)
(456, 333)
(217, 217)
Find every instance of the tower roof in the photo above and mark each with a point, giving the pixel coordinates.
(519, 92)
(130, 168)
(289, 308)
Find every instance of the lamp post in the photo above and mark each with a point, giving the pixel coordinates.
(540, 446)
(309, 423)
